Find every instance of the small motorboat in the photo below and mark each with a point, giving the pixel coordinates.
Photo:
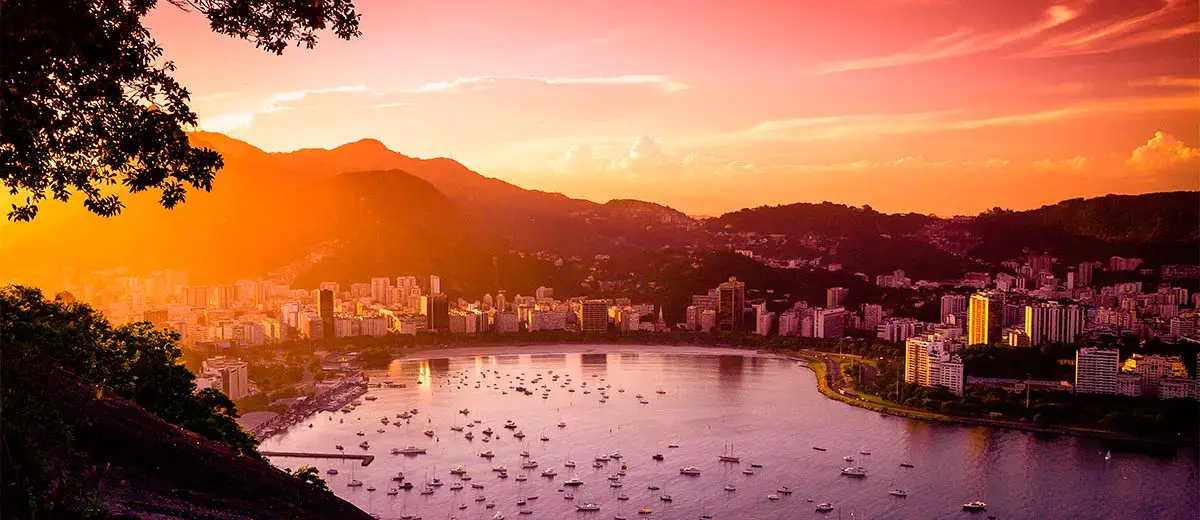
(905, 465)
(332, 471)
(730, 487)
(824, 507)
(772, 496)
(784, 490)
(665, 498)
(587, 507)
(657, 456)
(858, 472)
(354, 483)
(690, 471)
(818, 448)
(898, 493)
(975, 505)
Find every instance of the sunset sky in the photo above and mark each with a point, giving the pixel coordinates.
(708, 106)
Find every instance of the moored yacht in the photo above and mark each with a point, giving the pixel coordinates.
(412, 450)
(587, 507)
(975, 505)
(690, 470)
(824, 507)
(898, 493)
(854, 471)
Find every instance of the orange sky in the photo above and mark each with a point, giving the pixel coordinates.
(709, 106)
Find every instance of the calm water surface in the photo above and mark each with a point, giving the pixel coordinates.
(767, 408)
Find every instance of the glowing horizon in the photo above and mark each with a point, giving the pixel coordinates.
(907, 105)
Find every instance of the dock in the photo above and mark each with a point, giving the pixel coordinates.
(366, 459)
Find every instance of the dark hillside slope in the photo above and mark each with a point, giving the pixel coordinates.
(139, 465)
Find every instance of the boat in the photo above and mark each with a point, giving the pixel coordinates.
(545, 438)
(406, 485)
(898, 493)
(756, 465)
(338, 447)
(436, 482)
(848, 458)
(456, 486)
(393, 491)
(332, 471)
(364, 445)
(864, 452)
(525, 512)
(458, 470)
(549, 472)
(487, 454)
(602, 458)
(510, 425)
(660, 391)
(728, 456)
(380, 430)
(748, 471)
(772, 496)
(587, 507)
(569, 464)
(524, 454)
(665, 498)
(622, 496)
(476, 486)
(412, 450)
(616, 455)
(1108, 456)
(652, 487)
(370, 397)
(529, 465)
(354, 483)
(975, 505)
(395, 451)
(522, 478)
(499, 469)
(824, 507)
(464, 411)
(905, 465)
(370, 488)
(456, 428)
(428, 433)
(818, 448)
(597, 464)
(469, 436)
(480, 498)
(562, 425)
(672, 445)
(573, 481)
(360, 434)
(568, 496)
(520, 501)
(730, 487)
(859, 472)
(644, 511)
(498, 516)
(657, 456)
(487, 431)
(690, 470)
(520, 434)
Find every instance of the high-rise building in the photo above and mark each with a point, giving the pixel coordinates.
(544, 293)
(1096, 370)
(196, 296)
(593, 316)
(379, 289)
(789, 322)
(501, 302)
(952, 304)
(435, 284)
(332, 287)
(325, 308)
(1052, 322)
(931, 360)
(1083, 277)
(872, 315)
(231, 374)
(984, 317)
(224, 296)
(1039, 264)
(835, 296)
(829, 323)
(731, 306)
(762, 319)
(437, 313)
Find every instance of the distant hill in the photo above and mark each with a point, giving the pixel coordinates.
(825, 219)
(1158, 227)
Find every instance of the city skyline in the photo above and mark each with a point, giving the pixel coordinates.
(1083, 98)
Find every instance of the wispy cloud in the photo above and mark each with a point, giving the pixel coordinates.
(1168, 82)
(1172, 19)
(962, 42)
(661, 82)
(236, 123)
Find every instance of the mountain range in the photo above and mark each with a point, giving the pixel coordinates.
(362, 210)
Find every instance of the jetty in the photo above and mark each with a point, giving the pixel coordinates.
(366, 459)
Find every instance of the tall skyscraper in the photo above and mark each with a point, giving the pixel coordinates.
(1084, 278)
(1052, 322)
(930, 360)
(731, 306)
(435, 284)
(984, 317)
(829, 323)
(1096, 370)
(544, 293)
(593, 316)
(379, 289)
(1039, 264)
(952, 304)
(196, 296)
(835, 296)
(224, 296)
(325, 310)
(872, 316)
(438, 313)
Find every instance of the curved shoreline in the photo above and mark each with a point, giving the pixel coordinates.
(818, 368)
(812, 363)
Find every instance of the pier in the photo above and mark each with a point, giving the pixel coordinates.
(366, 459)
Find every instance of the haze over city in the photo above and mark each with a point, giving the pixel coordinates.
(757, 260)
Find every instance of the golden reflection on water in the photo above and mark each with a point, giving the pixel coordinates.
(424, 378)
